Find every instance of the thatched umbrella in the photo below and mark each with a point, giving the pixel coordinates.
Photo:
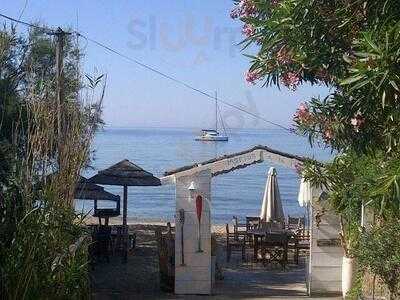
(86, 190)
(125, 173)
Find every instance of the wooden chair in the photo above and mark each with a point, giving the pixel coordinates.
(275, 245)
(166, 258)
(252, 223)
(239, 229)
(102, 242)
(300, 241)
(106, 213)
(303, 243)
(233, 244)
(294, 223)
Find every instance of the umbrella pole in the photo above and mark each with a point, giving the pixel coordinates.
(124, 225)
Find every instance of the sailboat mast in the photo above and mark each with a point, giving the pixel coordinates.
(216, 112)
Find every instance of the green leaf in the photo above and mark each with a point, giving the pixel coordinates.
(394, 85)
(371, 43)
(352, 79)
(383, 98)
(347, 59)
(383, 79)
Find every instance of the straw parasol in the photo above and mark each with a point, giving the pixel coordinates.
(125, 173)
(271, 209)
(86, 190)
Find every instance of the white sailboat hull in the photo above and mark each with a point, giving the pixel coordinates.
(212, 138)
(212, 135)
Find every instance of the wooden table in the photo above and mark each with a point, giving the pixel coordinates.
(273, 239)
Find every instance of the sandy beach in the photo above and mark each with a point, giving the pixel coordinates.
(135, 223)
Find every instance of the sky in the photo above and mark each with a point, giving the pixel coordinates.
(195, 41)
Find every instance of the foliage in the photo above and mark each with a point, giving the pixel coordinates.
(384, 238)
(350, 46)
(43, 253)
(353, 48)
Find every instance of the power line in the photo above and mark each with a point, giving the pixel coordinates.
(152, 69)
(45, 29)
(181, 82)
(23, 10)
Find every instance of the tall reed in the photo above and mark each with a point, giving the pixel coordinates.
(43, 250)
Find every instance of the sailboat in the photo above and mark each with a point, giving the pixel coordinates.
(213, 135)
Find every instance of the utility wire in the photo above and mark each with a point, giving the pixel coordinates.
(45, 29)
(181, 82)
(23, 10)
(135, 61)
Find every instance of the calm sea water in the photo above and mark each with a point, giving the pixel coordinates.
(236, 193)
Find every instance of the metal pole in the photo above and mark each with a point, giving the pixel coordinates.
(124, 225)
(60, 88)
(216, 112)
(182, 221)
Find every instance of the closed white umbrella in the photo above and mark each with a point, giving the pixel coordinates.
(271, 209)
(305, 193)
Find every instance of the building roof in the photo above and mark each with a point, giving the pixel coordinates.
(238, 165)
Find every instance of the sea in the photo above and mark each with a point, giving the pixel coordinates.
(238, 193)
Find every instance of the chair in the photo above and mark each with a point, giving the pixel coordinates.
(276, 246)
(233, 244)
(295, 223)
(166, 258)
(106, 213)
(302, 242)
(252, 223)
(101, 236)
(239, 229)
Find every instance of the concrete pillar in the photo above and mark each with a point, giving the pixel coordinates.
(195, 276)
(325, 261)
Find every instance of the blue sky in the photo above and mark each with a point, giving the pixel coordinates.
(194, 41)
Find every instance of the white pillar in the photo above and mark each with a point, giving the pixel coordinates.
(195, 276)
(325, 262)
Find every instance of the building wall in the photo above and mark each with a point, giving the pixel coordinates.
(195, 276)
(325, 262)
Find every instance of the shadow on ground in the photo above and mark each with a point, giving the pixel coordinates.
(138, 279)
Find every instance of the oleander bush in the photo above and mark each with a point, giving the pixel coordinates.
(353, 48)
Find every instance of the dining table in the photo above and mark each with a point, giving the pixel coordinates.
(274, 240)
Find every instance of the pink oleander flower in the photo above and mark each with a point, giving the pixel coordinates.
(284, 57)
(291, 80)
(357, 121)
(248, 30)
(275, 2)
(244, 9)
(299, 168)
(303, 114)
(303, 107)
(235, 13)
(328, 135)
(252, 76)
(247, 8)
